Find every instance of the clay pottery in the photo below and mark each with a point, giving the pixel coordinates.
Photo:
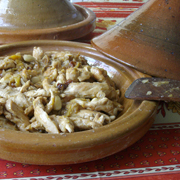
(52, 149)
(43, 19)
(147, 40)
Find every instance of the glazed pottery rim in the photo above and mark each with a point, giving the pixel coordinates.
(89, 16)
(92, 132)
(114, 130)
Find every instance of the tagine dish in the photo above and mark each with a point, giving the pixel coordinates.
(63, 103)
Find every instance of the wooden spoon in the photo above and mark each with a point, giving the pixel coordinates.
(159, 89)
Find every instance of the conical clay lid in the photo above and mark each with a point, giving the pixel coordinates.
(148, 40)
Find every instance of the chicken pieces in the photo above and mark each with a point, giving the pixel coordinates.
(91, 90)
(55, 92)
(16, 115)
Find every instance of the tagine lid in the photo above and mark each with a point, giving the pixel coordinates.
(147, 40)
(37, 14)
(43, 20)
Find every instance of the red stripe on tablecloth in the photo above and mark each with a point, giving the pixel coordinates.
(110, 4)
(113, 14)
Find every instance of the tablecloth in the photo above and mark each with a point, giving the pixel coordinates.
(155, 156)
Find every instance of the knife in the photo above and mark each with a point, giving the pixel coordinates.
(159, 89)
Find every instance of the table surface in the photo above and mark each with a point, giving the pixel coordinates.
(155, 156)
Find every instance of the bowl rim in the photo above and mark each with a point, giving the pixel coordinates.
(85, 138)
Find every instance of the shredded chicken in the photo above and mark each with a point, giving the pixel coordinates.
(54, 92)
(84, 124)
(7, 63)
(64, 123)
(42, 117)
(17, 112)
(100, 104)
(96, 116)
(37, 93)
(91, 90)
(25, 86)
(5, 123)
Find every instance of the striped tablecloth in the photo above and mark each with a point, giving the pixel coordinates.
(154, 157)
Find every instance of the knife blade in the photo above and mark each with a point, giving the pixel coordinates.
(159, 89)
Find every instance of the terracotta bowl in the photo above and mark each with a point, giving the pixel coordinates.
(52, 149)
(43, 19)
